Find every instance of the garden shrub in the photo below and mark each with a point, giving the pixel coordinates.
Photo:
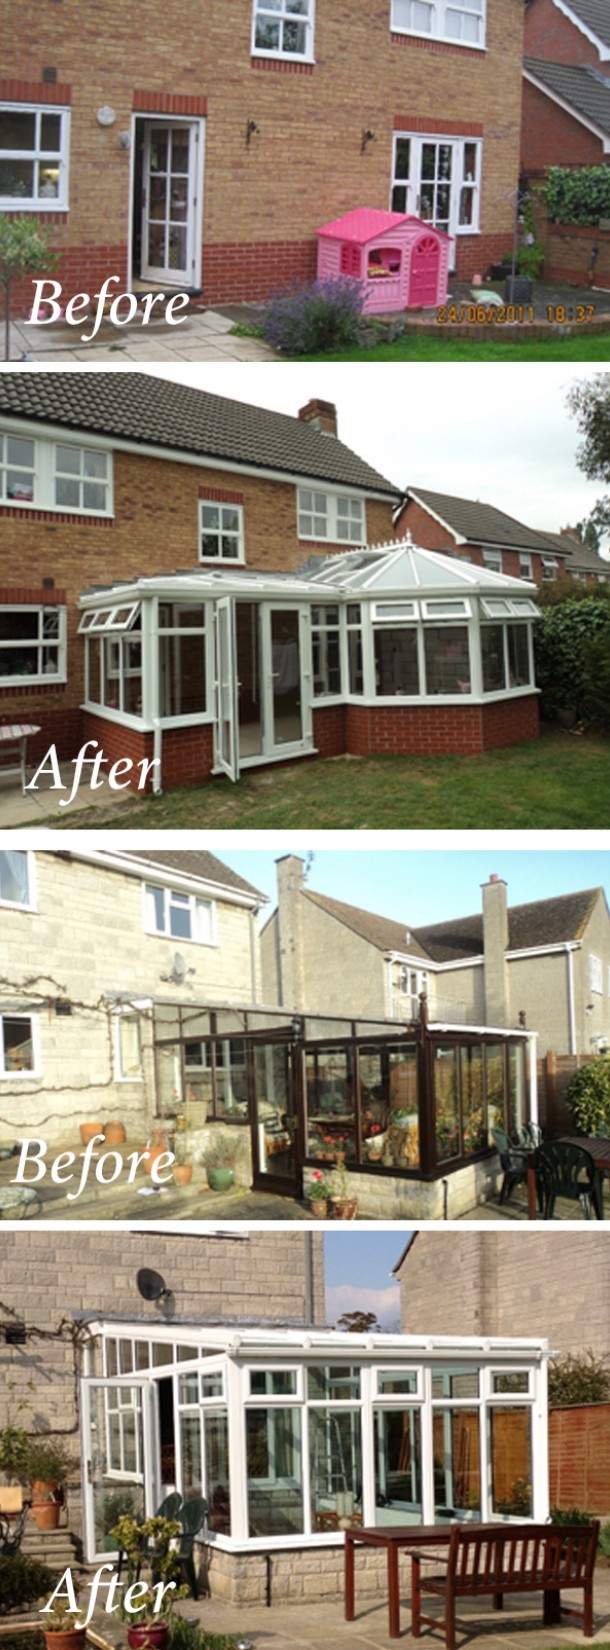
(579, 1378)
(563, 637)
(577, 197)
(588, 1096)
(23, 1581)
(603, 1545)
(315, 319)
(569, 1515)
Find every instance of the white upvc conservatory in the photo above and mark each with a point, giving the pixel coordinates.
(260, 657)
(293, 1434)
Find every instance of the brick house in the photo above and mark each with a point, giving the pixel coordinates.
(482, 535)
(229, 1384)
(194, 600)
(566, 85)
(201, 167)
(584, 562)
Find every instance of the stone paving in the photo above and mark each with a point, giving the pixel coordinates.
(205, 335)
(44, 804)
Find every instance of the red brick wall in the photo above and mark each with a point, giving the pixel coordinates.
(550, 34)
(431, 535)
(509, 721)
(550, 137)
(568, 253)
(579, 1458)
(330, 730)
(440, 730)
(187, 754)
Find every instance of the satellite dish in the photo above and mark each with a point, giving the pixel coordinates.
(151, 1285)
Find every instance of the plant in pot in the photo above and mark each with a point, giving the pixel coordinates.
(527, 261)
(150, 1610)
(49, 1464)
(182, 1169)
(220, 1159)
(344, 1205)
(320, 1190)
(63, 1629)
(14, 1454)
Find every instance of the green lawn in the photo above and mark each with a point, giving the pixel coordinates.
(556, 782)
(579, 347)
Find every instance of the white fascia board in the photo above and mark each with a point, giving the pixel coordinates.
(62, 432)
(144, 870)
(258, 1340)
(566, 8)
(202, 584)
(575, 114)
(544, 950)
(486, 1031)
(459, 537)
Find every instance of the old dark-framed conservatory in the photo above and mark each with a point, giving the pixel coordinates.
(407, 1106)
(294, 1433)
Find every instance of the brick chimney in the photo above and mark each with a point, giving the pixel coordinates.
(322, 414)
(290, 873)
(495, 947)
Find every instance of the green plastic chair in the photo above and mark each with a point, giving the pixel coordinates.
(192, 1517)
(565, 1170)
(513, 1161)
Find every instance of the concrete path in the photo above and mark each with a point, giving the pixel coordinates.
(44, 804)
(205, 335)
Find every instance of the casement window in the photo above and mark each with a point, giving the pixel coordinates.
(525, 565)
(549, 567)
(595, 975)
(355, 664)
(33, 157)
(182, 659)
(411, 981)
(32, 645)
(438, 179)
(16, 878)
(48, 475)
(283, 28)
(179, 916)
(326, 651)
(114, 657)
(221, 532)
(456, 20)
(128, 1047)
(333, 516)
(492, 560)
(19, 1055)
(505, 654)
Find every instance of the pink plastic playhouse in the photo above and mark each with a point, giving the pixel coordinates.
(402, 260)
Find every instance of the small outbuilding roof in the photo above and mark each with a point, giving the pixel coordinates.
(366, 223)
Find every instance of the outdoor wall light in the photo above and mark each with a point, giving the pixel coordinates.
(297, 1026)
(252, 130)
(367, 137)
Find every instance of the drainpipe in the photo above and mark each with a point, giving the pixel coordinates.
(533, 1075)
(253, 945)
(571, 1013)
(157, 784)
(308, 1271)
(390, 1014)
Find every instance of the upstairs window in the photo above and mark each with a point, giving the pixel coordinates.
(17, 465)
(283, 28)
(461, 20)
(492, 560)
(82, 480)
(221, 532)
(15, 878)
(33, 157)
(49, 475)
(332, 516)
(179, 916)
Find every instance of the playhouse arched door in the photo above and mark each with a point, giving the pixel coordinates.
(424, 271)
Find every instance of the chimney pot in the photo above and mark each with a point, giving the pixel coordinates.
(322, 414)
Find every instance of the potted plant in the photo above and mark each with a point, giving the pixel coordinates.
(182, 1169)
(14, 1454)
(63, 1629)
(155, 1540)
(344, 1206)
(220, 1159)
(320, 1190)
(49, 1464)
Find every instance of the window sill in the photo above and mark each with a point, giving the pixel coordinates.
(17, 205)
(437, 40)
(8, 682)
(287, 59)
(176, 939)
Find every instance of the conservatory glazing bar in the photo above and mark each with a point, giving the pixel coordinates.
(292, 1435)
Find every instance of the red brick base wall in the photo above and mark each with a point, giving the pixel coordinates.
(567, 253)
(579, 1458)
(330, 730)
(440, 730)
(509, 721)
(187, 754)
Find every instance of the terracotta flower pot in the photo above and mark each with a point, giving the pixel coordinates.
(72, 1638)
(148, 1636)
(183, 1173)
(46, 1507)
(319, 1208)
(154, 1149)
(87, 1132)
(114, 1134)
(344, 1208)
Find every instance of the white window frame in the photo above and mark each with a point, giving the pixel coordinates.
(6, 1075)
(81, 479)
(330, 510)
(45, 473)
(439, 10)
(596, 978)
(196, 907)
(19, 469)
(259, 8)
(31, 903)
(492, 561)
(40, 203)
(238, 510)
(120, 1017)
(525, 565)
(549, 567)
(41, 677)
(412, 184)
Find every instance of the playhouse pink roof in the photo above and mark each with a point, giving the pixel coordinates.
(365, 223)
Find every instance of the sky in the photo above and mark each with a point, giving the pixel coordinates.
(358, 1267)
(501, 433)
(427, 886)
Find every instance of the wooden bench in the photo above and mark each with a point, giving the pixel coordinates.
(516, 1558)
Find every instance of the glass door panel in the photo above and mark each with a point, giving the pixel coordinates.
(167, 191)
(275, 1114)
(250, 707)
(398, 1473)
(225, 729)
(286, 677)
(120, 1458)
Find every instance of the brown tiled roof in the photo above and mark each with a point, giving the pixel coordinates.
(543, 922)
(203, 865)
(381, 932)
(137, 407)
(482, 523)
(580, 86)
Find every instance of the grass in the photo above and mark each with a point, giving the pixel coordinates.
(578, 347)
(556, 782)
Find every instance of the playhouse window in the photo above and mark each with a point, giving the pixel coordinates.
(326, 651)
(182, 659)
(330, 516)
(462, 20)
(221, 528)
(32, 645)
(350, 259)
(283, 28)
(33, 157)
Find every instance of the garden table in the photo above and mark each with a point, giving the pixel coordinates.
(599, 1150)
(392, 1537)
(15, 733)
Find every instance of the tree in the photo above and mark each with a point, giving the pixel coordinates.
(590, 403)
(587, 533)
(580, 1378)
(358, 1323)
(572, 646)
(24, 250)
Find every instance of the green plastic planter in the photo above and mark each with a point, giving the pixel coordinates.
(220, 1179)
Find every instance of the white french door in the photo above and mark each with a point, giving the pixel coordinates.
(226, 749)
(438, 179)
(171, 202)
(121, 1457)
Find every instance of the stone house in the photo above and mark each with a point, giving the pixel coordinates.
(193, 158)
(482, 535)
(214, 1373)
(545, 964)
(566, 85)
